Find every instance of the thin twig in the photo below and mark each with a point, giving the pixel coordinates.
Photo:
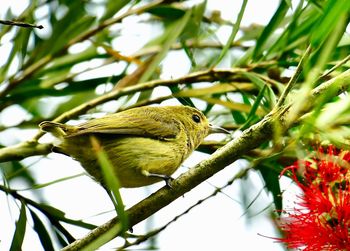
(336, 66)
(145, 237)
(21, 24)
(112, 21)
(295, 77)
(45, 209)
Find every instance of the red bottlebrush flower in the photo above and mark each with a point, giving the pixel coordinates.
(323, 220)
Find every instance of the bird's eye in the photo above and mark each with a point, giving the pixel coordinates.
(196, 118)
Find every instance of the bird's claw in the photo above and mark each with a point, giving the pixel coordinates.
(166, 178)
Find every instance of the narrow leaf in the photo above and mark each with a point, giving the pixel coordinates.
(20, 230)
(60, 237)
(270, 28)
(252, 113)
(58, 215)
(232, 105)
(272, 184)
(182, 99)
(111, 180)
(260, 84)
(334, 10)
(43, 234)
(172, 34)
(235, 29)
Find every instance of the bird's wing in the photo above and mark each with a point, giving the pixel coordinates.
(145, 123)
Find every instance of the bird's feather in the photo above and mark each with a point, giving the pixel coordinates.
(152, 123)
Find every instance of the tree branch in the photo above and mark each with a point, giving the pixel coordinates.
(21, 24)
(143, 238)
(24, 150)
(248, 140)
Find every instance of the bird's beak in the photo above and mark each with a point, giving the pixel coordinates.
(217, 129)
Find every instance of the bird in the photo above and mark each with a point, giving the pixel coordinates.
(144, 144)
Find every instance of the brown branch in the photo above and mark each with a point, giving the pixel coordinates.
(218, 190)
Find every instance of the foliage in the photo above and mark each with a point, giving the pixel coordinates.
(284, 84)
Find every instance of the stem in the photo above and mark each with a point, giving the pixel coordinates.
(295, 77)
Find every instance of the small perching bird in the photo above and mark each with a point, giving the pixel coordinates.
(144, 144)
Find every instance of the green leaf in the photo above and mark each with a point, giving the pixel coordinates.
(170, 35)
(231, 105)
(270, 29)
(167, 11)
(238, 117)
(260, 84)
(73, 23)
(112, 182)
(333, 11)
(271, 178)
(58, 215)
(65, 62)
(15, 169)
(221, 88)
(43, 234)
(281, 45)
(183, 100)
(235, 29)
(60, 237)
(305, 23)
(14, 51)
(289, 2)
(189, 54)
(320, 58)
(112, 7)
(62, 233)
(18, 236)
(21, 39)
(86, 88)
(252, 114)
(193, 25)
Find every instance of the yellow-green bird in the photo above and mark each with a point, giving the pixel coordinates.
(144, 144)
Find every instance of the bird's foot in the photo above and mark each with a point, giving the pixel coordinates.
(166, 178)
